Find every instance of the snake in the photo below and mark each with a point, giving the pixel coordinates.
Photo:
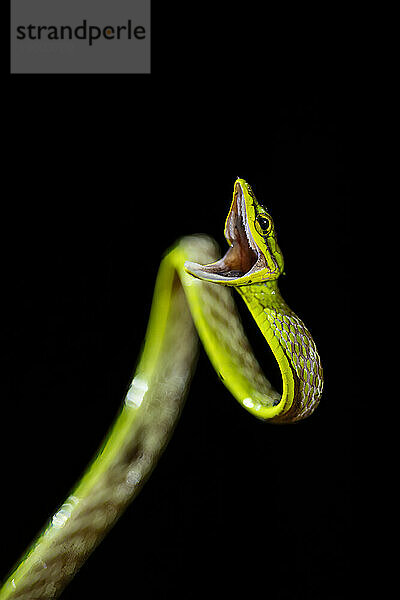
(192, 300)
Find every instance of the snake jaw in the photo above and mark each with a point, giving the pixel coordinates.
(243, 257)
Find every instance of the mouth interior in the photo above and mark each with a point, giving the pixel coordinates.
(242, 256)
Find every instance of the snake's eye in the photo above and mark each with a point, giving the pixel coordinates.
(263, 224)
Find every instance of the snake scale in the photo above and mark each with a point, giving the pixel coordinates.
(191, 294)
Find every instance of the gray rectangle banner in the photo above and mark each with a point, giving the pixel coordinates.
(80, 36)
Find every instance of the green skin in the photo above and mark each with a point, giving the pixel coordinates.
(252, 265)
(188, 296)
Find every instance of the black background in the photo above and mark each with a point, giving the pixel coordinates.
(106, 172)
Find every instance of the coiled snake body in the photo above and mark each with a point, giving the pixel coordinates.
(188, 296)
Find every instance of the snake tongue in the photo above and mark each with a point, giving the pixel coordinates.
(242, 256)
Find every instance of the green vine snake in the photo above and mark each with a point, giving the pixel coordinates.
(191, 293)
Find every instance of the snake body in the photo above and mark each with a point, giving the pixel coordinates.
(189, 296)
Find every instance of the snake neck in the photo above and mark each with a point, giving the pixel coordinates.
(292, 346)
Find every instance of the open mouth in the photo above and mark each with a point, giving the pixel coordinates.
(243, 256)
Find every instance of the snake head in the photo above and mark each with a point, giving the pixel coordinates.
(253, 255)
